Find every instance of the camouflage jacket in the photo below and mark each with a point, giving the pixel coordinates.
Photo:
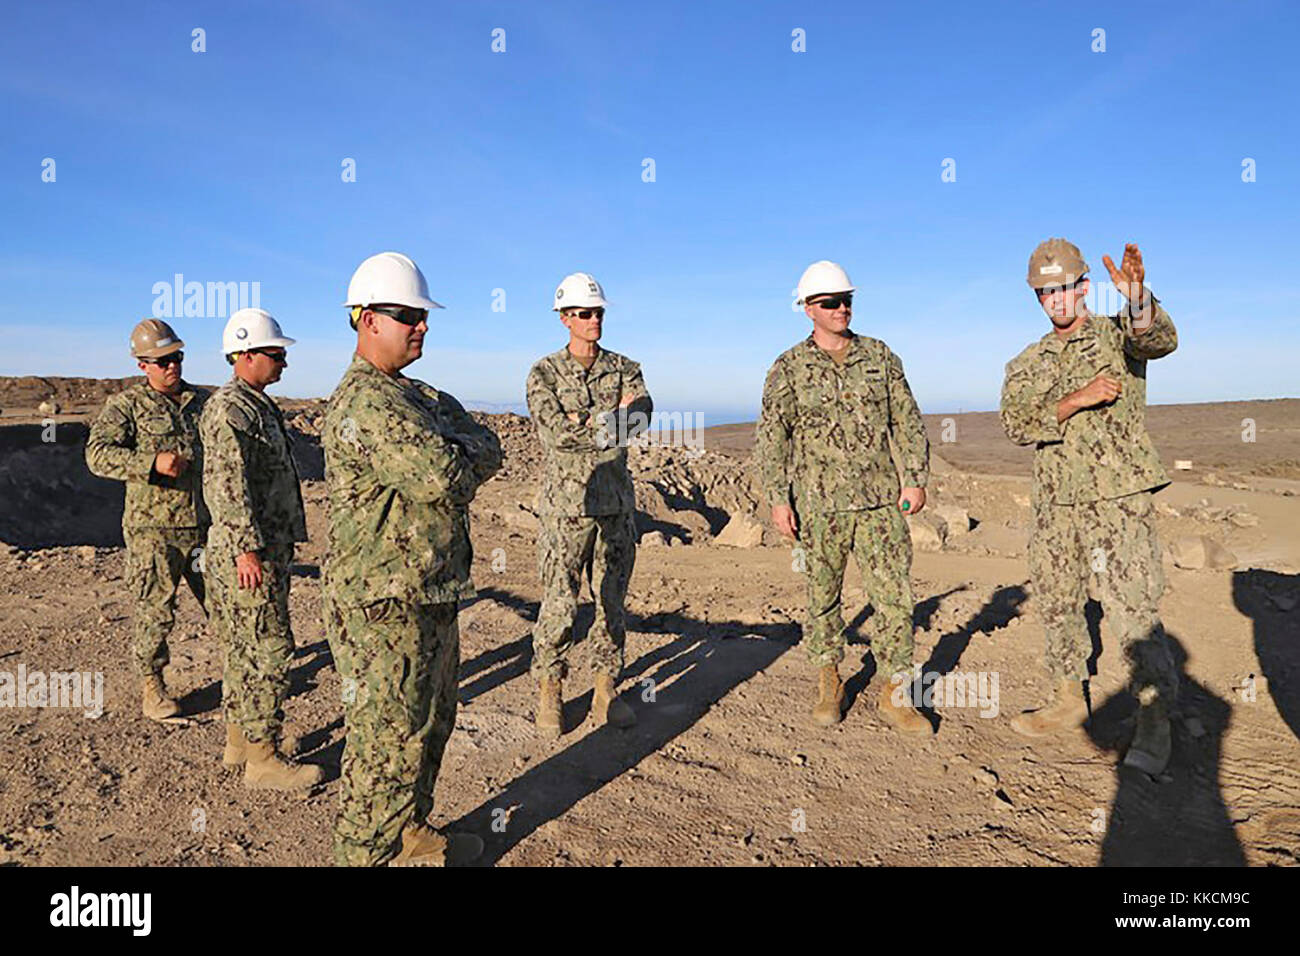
(823, 435)
(402, 463)
(584, 468)
(1097, 453)
(249, 476)
(133, 427)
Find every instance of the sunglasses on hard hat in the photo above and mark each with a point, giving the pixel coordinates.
(401, 313)
(598, 313)
(833, 302)
(176, 358)
(275, 355)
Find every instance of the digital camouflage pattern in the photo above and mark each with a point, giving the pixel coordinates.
(398, 663)
(164, 521)
(1094, 475)
(133, 427)
(585, 462)
(1113, 541)
(402, 462)
(569, 548)
(1097, 453)
(822, 442)
(258, 644)
(823, 447)
(881, 546)
(586, 502)
(157, 559)
(250, 480)
(252, 489)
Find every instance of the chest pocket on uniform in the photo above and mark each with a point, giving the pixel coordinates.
(605, 390)
(814, 403)
(573, 398)
(156, 432)
(867, 388)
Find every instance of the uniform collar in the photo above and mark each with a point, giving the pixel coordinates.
(578, 368)
(852, 352)
(247, 389)
(184, 398)
(362, 367)
(1055, 343)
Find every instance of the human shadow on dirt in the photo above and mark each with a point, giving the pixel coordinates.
(1179, 819)
(483, 673)
(1002, 607)
(674, 685)
(207, 699)
(1269, 599)
(922, 614)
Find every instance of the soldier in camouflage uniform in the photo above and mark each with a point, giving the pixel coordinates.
(831, 405)
(586, 403)
(1078, 395)
(148, 437)
(257, 517)
(402, 463)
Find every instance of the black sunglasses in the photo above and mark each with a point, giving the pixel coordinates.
(176, 358)
(587, 313)
(833, 302)
(403, 314)
(275, 355)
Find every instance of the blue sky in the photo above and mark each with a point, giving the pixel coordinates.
(508, 170)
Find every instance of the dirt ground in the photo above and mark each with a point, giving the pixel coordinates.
(724, 766)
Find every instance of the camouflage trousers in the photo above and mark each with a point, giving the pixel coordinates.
(398, 663)
(603, 548)
(156, 561)
(882, 547)
(1114, 542)
(257, 641)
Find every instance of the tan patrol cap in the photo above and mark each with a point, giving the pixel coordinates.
(154, 338)
(1056, 262)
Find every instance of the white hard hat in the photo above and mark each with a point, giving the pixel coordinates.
(822, 278)
(389, 278)
(252, 329)
(579, 291)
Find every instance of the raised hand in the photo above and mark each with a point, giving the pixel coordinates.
(1130, 275)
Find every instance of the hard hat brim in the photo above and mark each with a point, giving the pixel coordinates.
(417, 302)
(1044, 282)
(803, 300)
(595, 305)
(160, 352)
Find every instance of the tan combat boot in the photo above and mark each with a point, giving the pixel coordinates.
(903, 717)
(606, 708)
(156, 704)
(1153, 743)
(264, 769)
(422, 845)
(1067, 709)
(550, 707)
(829, 709)
(234, 755)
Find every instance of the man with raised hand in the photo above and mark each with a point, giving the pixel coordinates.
(1078, 395)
